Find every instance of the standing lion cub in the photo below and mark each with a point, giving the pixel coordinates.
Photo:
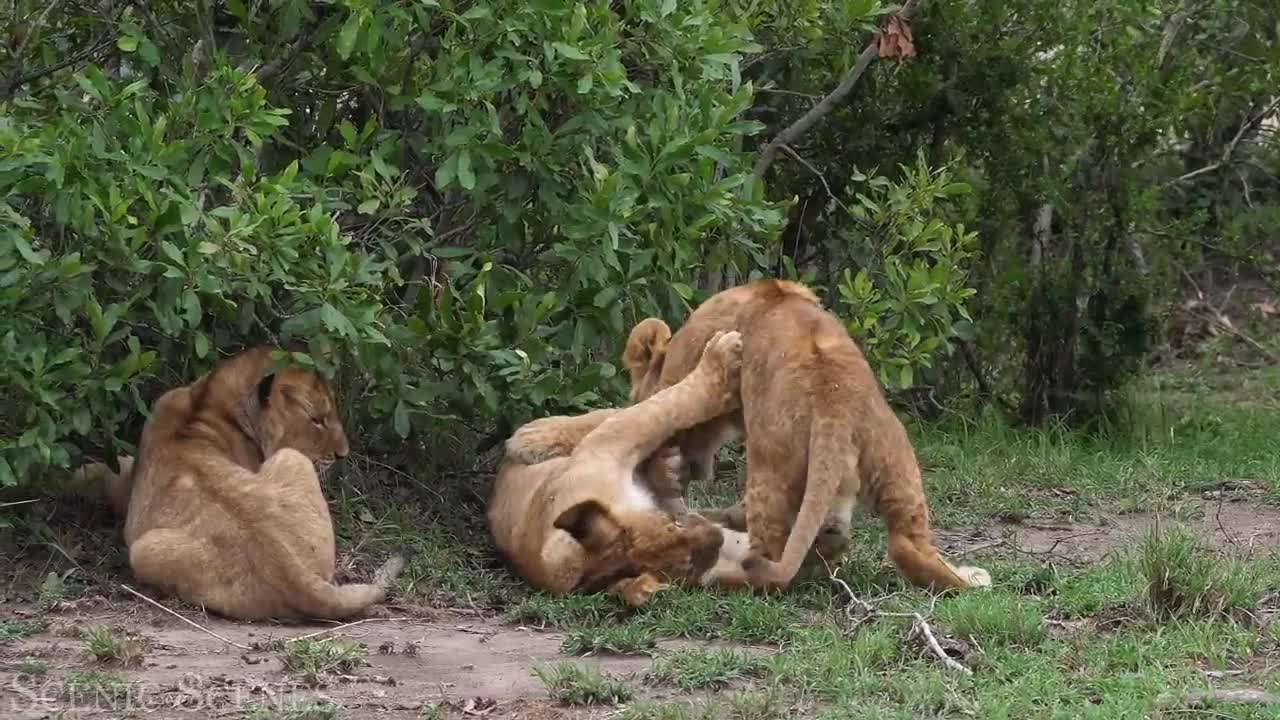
(819, 434)
(226, 510)
(573, 508)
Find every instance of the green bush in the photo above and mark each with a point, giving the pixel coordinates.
(461, 207)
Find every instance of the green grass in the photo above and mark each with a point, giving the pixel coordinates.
(703, 669)
(109, 648)
(609, 639)
(310, 660)
(19, 629)
(88, 685)
(296, 711)
(572, 684)
(1052, 639)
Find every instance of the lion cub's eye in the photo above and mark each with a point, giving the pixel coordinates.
(318, 421)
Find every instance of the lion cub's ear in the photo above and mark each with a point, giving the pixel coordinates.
(264, 388)
(591, 524)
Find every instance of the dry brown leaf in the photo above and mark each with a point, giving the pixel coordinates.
(896, 40)
(479, 706)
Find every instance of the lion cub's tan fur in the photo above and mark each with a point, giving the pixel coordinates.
(572, 508)
(224, 507)
(819, 434)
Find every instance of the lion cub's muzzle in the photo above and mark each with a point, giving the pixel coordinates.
(705, 540)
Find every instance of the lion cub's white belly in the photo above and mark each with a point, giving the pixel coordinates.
(632, 493)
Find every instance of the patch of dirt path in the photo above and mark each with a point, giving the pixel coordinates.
(1242, 527)
(475, 667)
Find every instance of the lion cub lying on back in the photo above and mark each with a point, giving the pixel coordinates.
(225, 509)
(819, 434)
(573, 510)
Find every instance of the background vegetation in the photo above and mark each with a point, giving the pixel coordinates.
(1052, 225)
(461, 207)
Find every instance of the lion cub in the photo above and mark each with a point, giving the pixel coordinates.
(572, 509)
(819, 434)
(225, 509)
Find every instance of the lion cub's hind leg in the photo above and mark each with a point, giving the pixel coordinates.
(306, 575)
(178, 563)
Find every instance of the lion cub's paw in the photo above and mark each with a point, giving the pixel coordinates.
(538, 441)
(974, 576)
(725, 348)
(389, 571)
(722, 360)
(638, 590)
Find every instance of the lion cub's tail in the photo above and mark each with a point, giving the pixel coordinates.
(832, 460)
(325, 600)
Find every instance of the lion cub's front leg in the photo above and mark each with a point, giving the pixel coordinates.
(712, 389)
(552, 437)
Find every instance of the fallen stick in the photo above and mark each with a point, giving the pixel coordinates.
(1208, 698)
(921, 627)
(325, 631)
(205, 630)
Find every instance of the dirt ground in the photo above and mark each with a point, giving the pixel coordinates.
(471, 665)
(1242, 527)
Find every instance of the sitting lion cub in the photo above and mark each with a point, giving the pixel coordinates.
(225, 509)
(572, 508)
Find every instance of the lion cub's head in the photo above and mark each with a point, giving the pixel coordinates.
(298, 411)
(644, 356)
(679, 548)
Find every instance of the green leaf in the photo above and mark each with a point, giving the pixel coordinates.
(605, 297)
(446, 172)
(400, 419)
(368, 207)
(466, 177)
(906, 377)
(668, 7)
(173, 252)
(28, 253)
(348, 35)
(585, 82)
(570, 51)
(7, 478)
(202, 345)
(336, 321)
(127, 43)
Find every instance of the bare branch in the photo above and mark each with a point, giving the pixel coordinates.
(1250, 123)
(51, 69)
(33, 29)
(806, 122)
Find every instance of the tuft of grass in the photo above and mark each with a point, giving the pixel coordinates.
(32, 668)
(666, 711)
(18, 629)
(97, 683)
(1186, 578)
(110, 649)
(609, 639)
(309, 660)
(994, 618)
(296, 711)
(756, 705)
(573, 684)
(699, 669)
